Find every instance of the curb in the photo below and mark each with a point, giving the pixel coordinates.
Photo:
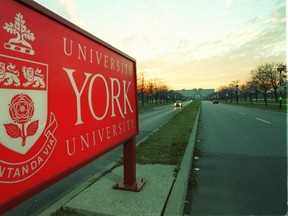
(176, 201)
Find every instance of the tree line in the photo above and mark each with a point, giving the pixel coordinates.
(155, 91)
(264, 80)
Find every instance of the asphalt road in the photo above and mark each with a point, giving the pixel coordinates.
(243, 168)
(148, 123)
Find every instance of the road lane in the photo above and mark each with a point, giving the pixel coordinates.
(263, 120)
(243, 168)
(148, 122)
(152, 120)
(235, 133)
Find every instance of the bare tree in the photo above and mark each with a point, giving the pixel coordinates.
(271, 73)
(244, 88)
(140, 86)
(232, 89)
(264, 84)
(264, 78)
(253, 88)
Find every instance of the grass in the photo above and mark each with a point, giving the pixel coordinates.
(168, 144)
(260, 105)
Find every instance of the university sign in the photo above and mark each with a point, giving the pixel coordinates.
(66, 99)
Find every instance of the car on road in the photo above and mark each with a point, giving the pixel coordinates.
(178, 103)
(215, 101)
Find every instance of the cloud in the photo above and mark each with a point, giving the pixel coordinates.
(227, 3)
(279, 15)
(271, 40)
(231, 57)
(218, 60)
(225, 44)
(70, 11)
(254, 38)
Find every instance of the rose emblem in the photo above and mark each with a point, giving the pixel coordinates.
(21, 110)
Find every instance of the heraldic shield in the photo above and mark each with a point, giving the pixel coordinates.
(23, 107)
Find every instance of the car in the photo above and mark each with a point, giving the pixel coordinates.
(178, 103)
(215, 101)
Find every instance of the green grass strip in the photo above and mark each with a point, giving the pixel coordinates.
(167, 145)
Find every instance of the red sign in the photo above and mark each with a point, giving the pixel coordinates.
(66, 98)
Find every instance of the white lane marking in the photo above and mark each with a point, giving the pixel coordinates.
(262, 120)
(241, 113)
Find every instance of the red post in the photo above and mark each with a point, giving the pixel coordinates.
(130, 162)
(130, 183)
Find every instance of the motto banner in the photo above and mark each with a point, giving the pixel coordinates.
(66, 99)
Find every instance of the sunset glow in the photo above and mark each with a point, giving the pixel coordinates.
(186, 44)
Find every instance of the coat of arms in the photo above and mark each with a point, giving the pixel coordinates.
(24, 117)
(23, 92)
(19, 43)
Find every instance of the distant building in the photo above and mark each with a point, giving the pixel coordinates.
(196, 94)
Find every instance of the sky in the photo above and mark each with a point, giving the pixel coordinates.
(186, 44)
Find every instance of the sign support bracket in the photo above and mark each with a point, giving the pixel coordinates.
(130, 183)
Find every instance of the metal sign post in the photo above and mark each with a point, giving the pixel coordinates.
(130, 183)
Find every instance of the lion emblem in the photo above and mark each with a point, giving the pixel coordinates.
(34, 77)
(9, 74)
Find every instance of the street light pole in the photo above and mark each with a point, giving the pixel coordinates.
(237, 93)
(280, 69)
(142, 89)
